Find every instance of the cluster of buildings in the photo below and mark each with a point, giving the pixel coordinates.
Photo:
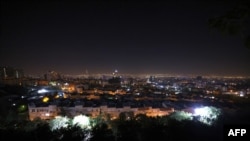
(51, 111)
(113, 94)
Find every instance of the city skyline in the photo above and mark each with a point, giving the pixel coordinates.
(147, 37)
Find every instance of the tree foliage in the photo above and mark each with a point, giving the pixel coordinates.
(139, 128)
(234, 22)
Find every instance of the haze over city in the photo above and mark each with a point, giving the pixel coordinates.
(133, 37)
(125, 70)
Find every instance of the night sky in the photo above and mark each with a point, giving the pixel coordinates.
(71, 37)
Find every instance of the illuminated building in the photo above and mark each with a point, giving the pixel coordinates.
(51, 111)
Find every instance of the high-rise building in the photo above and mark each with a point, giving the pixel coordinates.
(52, 75)
(115, 73)
(10, 73)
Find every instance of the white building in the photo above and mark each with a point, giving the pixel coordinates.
(51, 111)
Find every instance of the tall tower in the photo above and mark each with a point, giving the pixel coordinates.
(115, 73)
(4, 73)
(86, 73)
(17, 74)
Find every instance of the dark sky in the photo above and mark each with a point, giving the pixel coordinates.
(134, 37)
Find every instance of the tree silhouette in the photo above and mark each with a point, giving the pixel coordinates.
(234, 22)
(102, 132)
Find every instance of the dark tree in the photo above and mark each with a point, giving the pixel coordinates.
(115, 81)
(102, 132)
(235, 21)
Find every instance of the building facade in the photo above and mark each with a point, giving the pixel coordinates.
(51, 111)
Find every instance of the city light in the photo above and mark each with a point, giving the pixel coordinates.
(59, 122)
(207, 114)
(45, 99)
(42, 91)
(82, 121)
(22, 108)
(64, 122)
(182, 115)
(201, 112)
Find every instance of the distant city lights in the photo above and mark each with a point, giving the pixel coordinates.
(45, 99)
(42, 91)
